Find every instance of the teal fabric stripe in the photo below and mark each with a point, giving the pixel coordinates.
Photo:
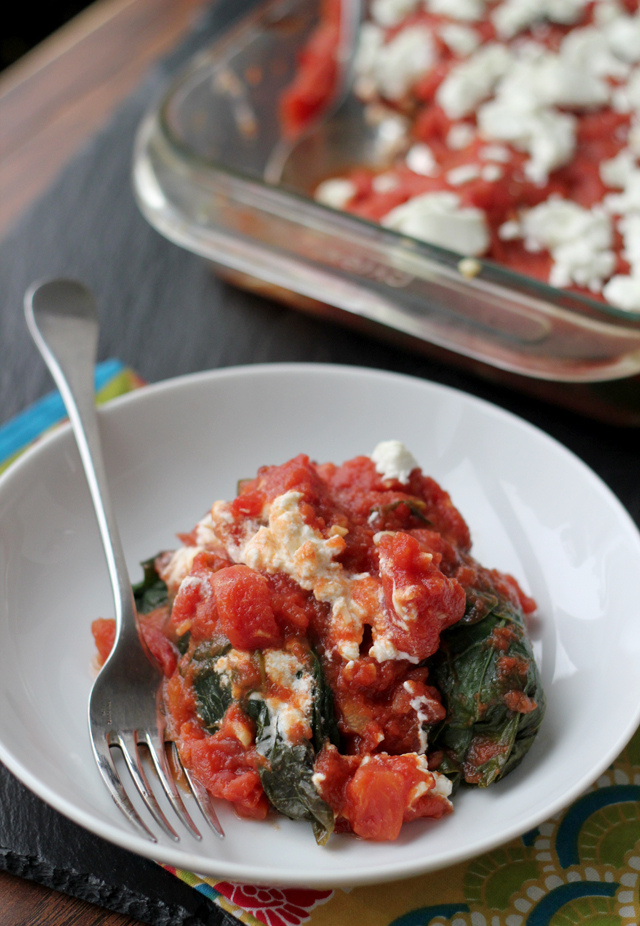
(43, 414)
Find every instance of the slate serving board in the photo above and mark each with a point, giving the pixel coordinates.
(164, 314)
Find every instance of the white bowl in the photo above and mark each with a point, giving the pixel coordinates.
(534, 510)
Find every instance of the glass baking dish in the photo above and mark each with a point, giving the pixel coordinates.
(201, 158)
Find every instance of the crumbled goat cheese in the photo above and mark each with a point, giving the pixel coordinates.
(510, 230)
(440, 219)
(623, 36)
(472, 81)
(384, 183)
(420, 160)
(461, 40)
(335, 192)
(434, 782)
(389, 13)
(626, 97)
(491, 173)
(469, 10)
(629, 199)
(463, 174)
(579, 241)
(520, 115)
(588, 49)
(402, 60)
(606, 10)
(623, 292)
(383, 650)
(495, 153)
(615, 172)
(629, 226)
(514, 16)
(460, 136)
(394, 461)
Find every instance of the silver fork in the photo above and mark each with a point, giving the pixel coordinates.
(125, 709)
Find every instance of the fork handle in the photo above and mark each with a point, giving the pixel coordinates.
(63, 321)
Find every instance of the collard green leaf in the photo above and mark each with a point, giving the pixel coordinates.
(151, 592)
(287, 773)
(323, 722)
(213, 698)
(211, 687)
(482, 738)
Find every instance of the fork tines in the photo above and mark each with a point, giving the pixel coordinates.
(129, 744)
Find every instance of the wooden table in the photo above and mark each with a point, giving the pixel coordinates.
(51, 101)
(59, 94)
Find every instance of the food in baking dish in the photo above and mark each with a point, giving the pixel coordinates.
(513, 132)
(332, 651)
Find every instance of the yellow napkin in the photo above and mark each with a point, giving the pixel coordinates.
(580, 867)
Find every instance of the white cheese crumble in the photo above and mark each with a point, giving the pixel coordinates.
(383, 650)
(579, 241)
(417, 703)
(442, 787)
(398, 63)
(520, 116)
(389, 13)
(469, 10)
(623, 36)
(461, 40)
(514, 16)
(623, 292)
(491, 173)
(460, 136)
(335, 192)
(616, 172)
(457, 176)
(472, 81)
(420, 160)
(440, 218)
(385, 183)
(393, 460)
(498, 153)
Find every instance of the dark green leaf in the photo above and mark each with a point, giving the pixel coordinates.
(287, 773)
(151, 592)
(212, 699)
(323, 723)
(482, 738)
(212, 689)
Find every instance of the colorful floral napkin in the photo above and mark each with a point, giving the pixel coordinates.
(580, 867)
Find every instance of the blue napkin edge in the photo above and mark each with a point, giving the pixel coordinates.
(25, 427)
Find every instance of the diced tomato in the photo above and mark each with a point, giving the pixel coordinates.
(161, 648)
(315, 78)
(194, 608)
(104, 634)
(375, 801)
(224, 765)
(244, 609)
(420, 600)
(376, 794)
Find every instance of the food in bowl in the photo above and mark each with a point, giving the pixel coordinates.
(514, 133)
(333, 652)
